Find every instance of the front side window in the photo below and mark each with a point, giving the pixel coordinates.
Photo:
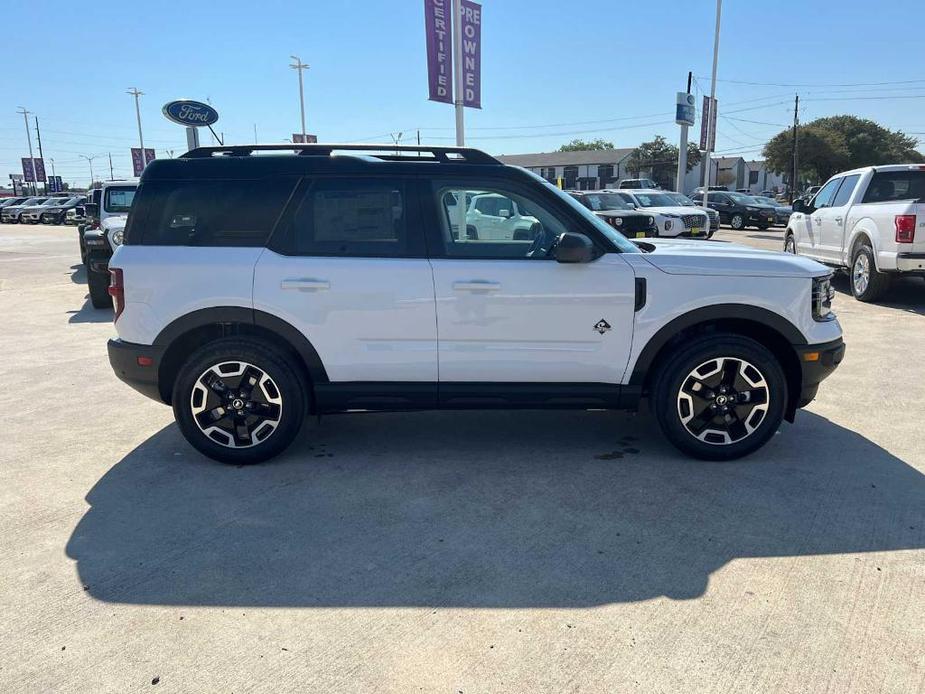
(119, 200)
(847, 188)
(826, 194)
(365, 218)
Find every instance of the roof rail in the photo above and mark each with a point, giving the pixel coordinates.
(456, 155)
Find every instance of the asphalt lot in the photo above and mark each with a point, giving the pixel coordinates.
(451, 552)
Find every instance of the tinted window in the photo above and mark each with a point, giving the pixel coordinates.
(353, 218)
(604, 201)
(844, 192)
(826, 193)
(896, 185)
(210, 213)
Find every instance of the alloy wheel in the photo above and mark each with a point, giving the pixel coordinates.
(236, 404)
(860, 274)
(723, 400)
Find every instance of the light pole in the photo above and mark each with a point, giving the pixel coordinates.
(89, 161)
(299, 65)
(25, 117)
(711, 115)
(141, 141)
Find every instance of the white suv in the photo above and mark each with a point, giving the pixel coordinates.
(255, 285)
(672, 219)
(870, 221)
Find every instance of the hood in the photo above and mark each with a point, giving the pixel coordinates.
(696, 257)
(678, 211)
(623, 213)
(114, 222)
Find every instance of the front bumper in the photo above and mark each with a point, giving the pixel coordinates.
(137, 365)
(817, 363)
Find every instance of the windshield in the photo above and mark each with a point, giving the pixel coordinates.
(53, 201)
(600, 202)
(618, 239)
(681, 199)
(765, 201)
(119, 199)
(655, 200)
(743, 199)
(34, 201)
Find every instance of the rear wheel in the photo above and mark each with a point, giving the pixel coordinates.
(867, 283)
(721, 397)
(98, 286)
(737, 222)
(239, 400)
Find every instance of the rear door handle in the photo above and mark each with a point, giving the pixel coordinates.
(305, 284)
(477, 286)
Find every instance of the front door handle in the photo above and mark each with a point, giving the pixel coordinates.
(304, 284)
(838, 220)
(817, 220)
(477, 286)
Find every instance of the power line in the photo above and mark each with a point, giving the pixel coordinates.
(818, 84)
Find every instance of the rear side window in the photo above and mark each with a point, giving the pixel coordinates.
(887, 186)
(210, 213)
(361, 218)
(847, 188)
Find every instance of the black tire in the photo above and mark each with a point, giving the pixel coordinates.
(740, 354)
(737, 222)
(790, 244)
(98, 284)
(285, 380)
(764, 227)
(877, 282)
(83, 249)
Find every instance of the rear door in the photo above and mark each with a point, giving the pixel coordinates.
(347, 268)
(507, 312)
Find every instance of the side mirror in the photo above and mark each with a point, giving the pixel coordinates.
(799, 205)
(92, 209)
(574, 248)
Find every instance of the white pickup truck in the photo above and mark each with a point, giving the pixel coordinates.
(870, 221)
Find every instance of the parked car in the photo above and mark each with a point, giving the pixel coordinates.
(700, 189)
(738, 210)
(673, 220)
(869, 221)
(76, 215)
(684, 201)
(6, 202)
(55, 212)
(614, 210)
(252, 290)
(102, 237)
(11, 213)
(781, 212)
(630, 183)
(32, 214)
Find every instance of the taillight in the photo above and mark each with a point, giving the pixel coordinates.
(905, 228)
(117, 292)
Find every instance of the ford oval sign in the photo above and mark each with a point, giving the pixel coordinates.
(192, 114)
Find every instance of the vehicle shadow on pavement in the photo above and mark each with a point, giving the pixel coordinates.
(88, 314)
(905, 293)
(79, 274)
(481, 509)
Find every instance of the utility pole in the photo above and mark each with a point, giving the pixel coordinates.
(89, 161)
(682, 147)
(38, 137)
(111, 175)
(794, 176)
(299, 65)
(710, 114)
(25, 118)
(458, 83)
(141, 141)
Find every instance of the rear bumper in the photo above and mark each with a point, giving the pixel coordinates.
(124, 358)
(910, 262)
(817, 363)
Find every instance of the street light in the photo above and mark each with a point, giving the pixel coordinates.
(89, 161)
(299, 65)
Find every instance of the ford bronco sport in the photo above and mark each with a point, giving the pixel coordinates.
(256, 285)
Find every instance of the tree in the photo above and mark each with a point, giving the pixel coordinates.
(660, 159)
(836, 143)
(582, 146)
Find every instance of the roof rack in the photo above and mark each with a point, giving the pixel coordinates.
(455, 155)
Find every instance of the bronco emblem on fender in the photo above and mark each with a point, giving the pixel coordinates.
(602, 326)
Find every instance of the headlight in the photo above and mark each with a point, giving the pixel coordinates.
(822, 296)
(618, 221)
(116, 237)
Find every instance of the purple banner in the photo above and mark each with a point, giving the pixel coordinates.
(39, 165)
(138, 164)
(708, 124)
(439, 50)
(149, 156)
(470, 14)
(28, 173)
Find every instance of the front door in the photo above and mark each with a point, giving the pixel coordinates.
(347, 268)
(507, 312)
(817, 220)
(832, 228)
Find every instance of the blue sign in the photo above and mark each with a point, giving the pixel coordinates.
(192, 114)
(684, 110)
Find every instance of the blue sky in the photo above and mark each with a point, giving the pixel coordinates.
(552, 71)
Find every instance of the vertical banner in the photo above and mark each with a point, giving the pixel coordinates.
(439, 50)
(149, 156)
(708, 125)
(28, 173)
(470, 14)
(138, 164)
(39, 165)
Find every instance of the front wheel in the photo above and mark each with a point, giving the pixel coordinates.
(239, 400)
(737, 222)
(790, 245)
(721, 397)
